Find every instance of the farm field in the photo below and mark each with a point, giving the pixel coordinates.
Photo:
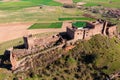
(26, 3)
(46, 25)
(75, 18)
(35, 14)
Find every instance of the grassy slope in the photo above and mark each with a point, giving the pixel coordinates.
(9, 44)
(107, 51)
(78, 64)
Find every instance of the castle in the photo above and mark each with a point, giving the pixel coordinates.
(75, 31)
(90, 29)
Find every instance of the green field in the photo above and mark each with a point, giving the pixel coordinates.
(79, 24)
(46, 25)
(75, 18)
(26, 3)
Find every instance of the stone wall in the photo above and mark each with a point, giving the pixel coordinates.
(79, 34)
(38, 59)
(33, 42)
(44, 49)
(33, 46)
(92, 28)
(112, 31)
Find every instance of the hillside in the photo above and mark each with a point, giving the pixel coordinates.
(89, 60)
(94, 59)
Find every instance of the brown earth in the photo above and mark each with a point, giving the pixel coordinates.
(65, 1)
(15, 30)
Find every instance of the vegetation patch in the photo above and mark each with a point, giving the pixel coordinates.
(93, 60)
(74, 18)
(10, 44)
(79, 24)
(46, 25)
(26, 3)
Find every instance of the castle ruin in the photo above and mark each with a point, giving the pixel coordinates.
(90, 29)
(39, 46)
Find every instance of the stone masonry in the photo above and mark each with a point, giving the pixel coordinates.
(35, 45)
(91, 29)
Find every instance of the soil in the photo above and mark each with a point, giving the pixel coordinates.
(12, 31)
(65, 1)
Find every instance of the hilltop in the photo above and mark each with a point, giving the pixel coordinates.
(94, 59)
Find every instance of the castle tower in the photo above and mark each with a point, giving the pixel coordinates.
(28, 42)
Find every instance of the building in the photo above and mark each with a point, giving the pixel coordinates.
(76, 30)
(85, 30)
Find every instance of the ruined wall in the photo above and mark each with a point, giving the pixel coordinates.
(33, 42)
(13, 61)
(40, 59)
(70, 33)
(88, 34)
(91, 29)
(111, 31)
(28, 42)
(32, 46)
(78, 34)
(98, 29)
(44, 50)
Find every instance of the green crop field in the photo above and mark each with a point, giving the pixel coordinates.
(75, 18)
(46, 25)
(79, 24)
(26, 3)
